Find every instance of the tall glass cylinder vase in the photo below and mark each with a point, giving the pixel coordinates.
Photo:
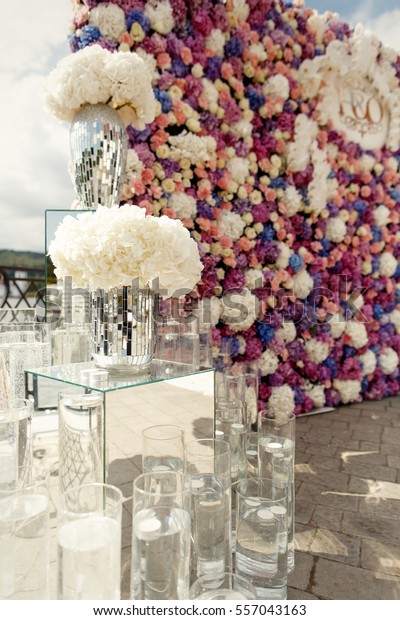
(276, 457)
(123, 328)
(99, 147)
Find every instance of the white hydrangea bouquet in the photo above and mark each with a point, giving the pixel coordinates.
(95, 75)
(110, 247)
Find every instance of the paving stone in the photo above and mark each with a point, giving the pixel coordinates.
(327, 518)
(388, 448)
(327, 462)
(320, 421)
(393, 461)
(342, 500)
(299, 595)
(303, 511)
(349, 444)
(381, 557)
(320, 449)
(300, 577)
(365, 434)
(381, 506)
(371, 526)
(374, 488)
(341, 582)
(334, 481)
(339, 425)
(379, 472)
(302, 457)
(391, 436)
(332, 545)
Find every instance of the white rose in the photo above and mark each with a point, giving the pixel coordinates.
(316, 350)
(292, 200)
(285, 253)
(349, 390)
(196, 148)
(357, 333)
(388, 361)
(316, 393)
(387, 264)
(302, 284)
(268, 363)
(109, 19)
(254, 278)
(241, 10)
(394, 318)
(335, 229)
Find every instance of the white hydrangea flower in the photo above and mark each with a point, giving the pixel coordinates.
(367, 162)
(251, 403)
(239, 169)
(302, 284)
(216, 42)
(210, 92)
(268, 363)
(388, 361)
(211, 309)
(258, 50)
(254, 278)
(310, 76)
(318, 24)
(150, 63)
(243, 129)
(110, 247)
(299, 151)
(337, 324)
(240, 310)
(109, 19)
(134, 166)
(281, 402)
(242, 345)
(287, 332)
(292, 200)
(195, 148)
(394, 318)
(240, 10)
(349, 389)
(316, 393)
(285, 253)
(318, 188)
(160, 15)
(387, 264)
(231, 224)
(184, 205)
(335, 229)
(316, 350)
(368, 360)
(381, 215)
(357, 333)
(277, 86)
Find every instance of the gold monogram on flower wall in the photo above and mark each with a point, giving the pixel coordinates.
(360, 113)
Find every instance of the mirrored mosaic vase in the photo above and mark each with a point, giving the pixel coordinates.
(123, 328)
(99, 146)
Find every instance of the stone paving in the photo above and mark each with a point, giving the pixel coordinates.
(348, 504)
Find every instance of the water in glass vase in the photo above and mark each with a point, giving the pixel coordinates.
(89, 559)
(160, 554)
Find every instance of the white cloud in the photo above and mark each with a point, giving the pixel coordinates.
(35, 148)
(386, 27)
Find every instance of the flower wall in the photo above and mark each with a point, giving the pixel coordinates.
(297, 225)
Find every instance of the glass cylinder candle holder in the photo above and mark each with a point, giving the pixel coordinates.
(276, 457)
(208, 463)
(163, 448)
(15, 440)
(89, 543)
(228, 586)
(25, 537)
(231, 426)
(160, 536)
(262, 536)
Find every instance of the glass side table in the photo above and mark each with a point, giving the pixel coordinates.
(103, 433)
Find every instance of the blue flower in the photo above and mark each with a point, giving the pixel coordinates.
(375, 263)
(268, 233)
(364, 384)
(179, 68)
(360, 207)
(296, 262)
(164, 98)
(378, 311)
(278, 183)
(376, 233)
(298, 395)
(256, 99)
(332, 366)
(348, 351)
(89, 35)
(265, 332)
(234, 47)
(395, 194)
(137, 16)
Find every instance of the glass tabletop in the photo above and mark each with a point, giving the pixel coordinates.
(87, 375)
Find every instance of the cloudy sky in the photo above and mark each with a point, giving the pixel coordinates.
(35, 147)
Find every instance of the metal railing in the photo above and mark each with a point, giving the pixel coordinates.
(21, 287)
